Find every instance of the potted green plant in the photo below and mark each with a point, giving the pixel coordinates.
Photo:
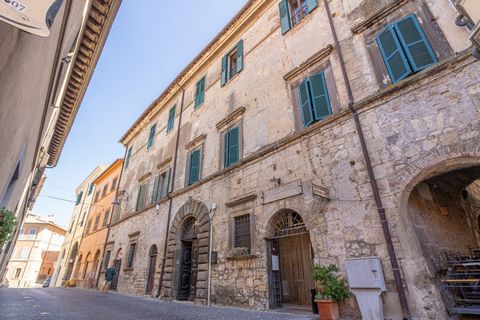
(331, 288)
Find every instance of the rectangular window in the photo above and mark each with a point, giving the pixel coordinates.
(33, 231)
(129, 155)
(105, 189)
(89, 224)
(18, 272)
(79, 198)
(314, 100)
(90, 188)
(24, 253)
(114, 183)
(106, 217)
(194, 166)
(404, 48)
(21, 231)
(231, 147)
(151, 136)
(232, 63)
(106, 261)
(131, 255)
(200, 93)
(294, 11)
(171, 119)
(95, 225)
(242, 237)
(142, 192)
(97, 195)
(160, 186)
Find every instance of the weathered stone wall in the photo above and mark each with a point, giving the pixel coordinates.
(409, 127)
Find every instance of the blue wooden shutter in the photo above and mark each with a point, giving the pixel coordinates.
(233, 144)
(305, 104)
(224, 70)
(414, 42)
(311, 4)
(151, 136)
(129, 154)
(240, 56)
(285, 21)
(226, 140)
(200, 94)
(166, 183)
(393, 55)
(194, 173)
(155, 189)
(171, 119)
(319, 95)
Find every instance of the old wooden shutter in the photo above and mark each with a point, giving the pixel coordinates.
(311, 4)
(224, 70)
(141, 197)
(155, 189)
(171, 119)
(200, 94)
(319, 95)
(129, 154)
(285, 21)
(151, 136)
(393, 55)
(417, 48)
(239, 56)
(165, 183)
(305, 104)
(233, 146)
(194, 173)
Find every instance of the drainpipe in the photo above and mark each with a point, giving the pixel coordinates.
(210, 240)
(169, 195)
(371, 175)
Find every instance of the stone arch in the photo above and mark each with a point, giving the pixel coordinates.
(192, 209)
(78, 265)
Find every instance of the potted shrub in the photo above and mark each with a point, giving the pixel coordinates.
(331, 289)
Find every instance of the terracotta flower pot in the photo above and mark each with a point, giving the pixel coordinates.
(328, 309)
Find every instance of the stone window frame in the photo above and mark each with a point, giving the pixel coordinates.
(237, 208)
(133, 241)
(163, 173)
(238, 123)
(294, 83)
(430, 27)
(198, 144)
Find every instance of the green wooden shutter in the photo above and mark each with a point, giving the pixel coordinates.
(239, 56)
(165, 183)
(419, 51)
(194, 174)
(151, 137)
(171, 119)
(285, 21)
(224, 70)
(319, 96)
(129, 154)
(233, 146)
(155, 189)
(393, 55)
(200, 94)
(311, 4)
(141, 198)
(305, 104)
(225, 148)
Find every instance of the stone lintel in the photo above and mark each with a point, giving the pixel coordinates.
(308, 63)
(378, 15)
(230, 118)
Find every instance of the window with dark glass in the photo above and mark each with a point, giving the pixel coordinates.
(242, 237)
(114, 183)
(171, 119)
(90, 188)
(151, 136)
(105, 189)
(129, 155)
(107, 259)
(89, 224)
(79, 198)
(131, 255)
(95, 225)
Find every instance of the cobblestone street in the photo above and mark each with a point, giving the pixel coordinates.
(75, 304)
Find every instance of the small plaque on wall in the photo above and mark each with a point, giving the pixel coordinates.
(275, 263)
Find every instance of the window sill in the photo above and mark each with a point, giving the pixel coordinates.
(243, 257)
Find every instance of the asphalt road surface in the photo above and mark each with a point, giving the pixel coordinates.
(76, 304)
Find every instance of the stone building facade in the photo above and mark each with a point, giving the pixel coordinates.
(249, 167)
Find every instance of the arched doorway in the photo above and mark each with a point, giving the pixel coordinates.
(152, 266)
(188, 260)
(444, 209)
(76, 274)
(96, 263)
(117, 264)
(289, 260)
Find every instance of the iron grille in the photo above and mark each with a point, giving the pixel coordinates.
(242, 232)
(131, 255)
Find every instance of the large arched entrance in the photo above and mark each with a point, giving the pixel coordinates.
(187, 285)
(152, 266)
(289, 260)
(445, 210)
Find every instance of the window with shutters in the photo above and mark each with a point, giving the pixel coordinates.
(131, 254)
(242, 238)
(105, 189)
(95, 225)
(171, 119)
(404, 48)
(114, 183)
(200, 93)
(89, 224)
(160, 186)
(129, 155)
(231, 146)
(79, 198)
(232, 63)
(97, 195)
(106, 217)
(90, 188)
(106, 260)
(292, 12)
(314, 100)
(194, 166)
(18, 271)
(151, 136)
(142, 193)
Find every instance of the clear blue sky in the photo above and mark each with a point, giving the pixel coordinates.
(150, 42)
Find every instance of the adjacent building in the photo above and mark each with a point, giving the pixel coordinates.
(84, 196)
(42, 83)
(91, 261)
(35, 253)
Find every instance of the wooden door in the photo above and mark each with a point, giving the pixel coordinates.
(185, 271)
(151, 274)
(117, 265)
(296, 265)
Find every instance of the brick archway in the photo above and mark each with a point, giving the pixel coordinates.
(199, 211)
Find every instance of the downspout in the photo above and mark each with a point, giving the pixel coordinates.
(371, 175)
(210, 240)
(169, 194)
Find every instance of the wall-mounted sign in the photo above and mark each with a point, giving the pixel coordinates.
(32, 16)
(287, 190)
(275, 263)
(320, 191)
